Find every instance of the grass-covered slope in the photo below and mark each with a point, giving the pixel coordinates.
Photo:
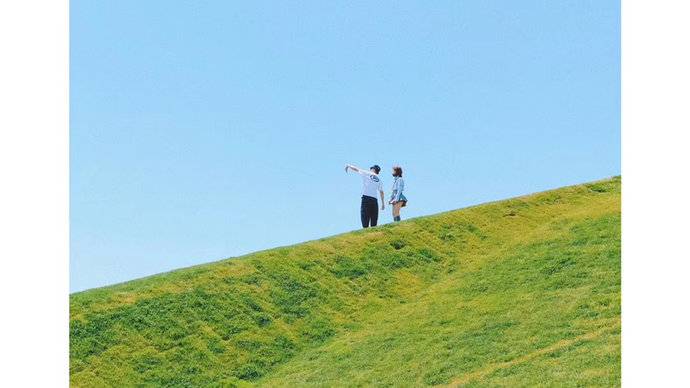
(521, 292)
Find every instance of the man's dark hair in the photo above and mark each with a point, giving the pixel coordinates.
(375, 168)
(397, 171)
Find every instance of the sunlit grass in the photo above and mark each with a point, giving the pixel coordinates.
(521, 292)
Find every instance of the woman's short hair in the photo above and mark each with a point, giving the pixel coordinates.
(397, 171)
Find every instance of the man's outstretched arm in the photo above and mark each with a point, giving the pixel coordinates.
(358, 170)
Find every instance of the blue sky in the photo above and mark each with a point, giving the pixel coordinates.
(205, 131)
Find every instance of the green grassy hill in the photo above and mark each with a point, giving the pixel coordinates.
(520, 292)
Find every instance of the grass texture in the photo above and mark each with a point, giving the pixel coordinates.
(521, 292)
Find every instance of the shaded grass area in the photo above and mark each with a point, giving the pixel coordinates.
(434, 300)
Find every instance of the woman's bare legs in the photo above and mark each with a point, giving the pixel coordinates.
(396, 210)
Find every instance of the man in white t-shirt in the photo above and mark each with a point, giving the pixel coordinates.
(371, 184)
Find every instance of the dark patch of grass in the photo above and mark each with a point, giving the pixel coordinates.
(346, 267)
(398, 244)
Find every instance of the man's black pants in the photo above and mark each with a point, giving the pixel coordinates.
(369, 211)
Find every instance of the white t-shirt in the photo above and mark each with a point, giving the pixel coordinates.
(371, 184)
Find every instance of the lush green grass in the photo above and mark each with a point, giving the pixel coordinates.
(520, 292)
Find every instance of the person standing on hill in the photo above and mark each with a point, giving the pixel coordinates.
(371, 184)
(398, 200)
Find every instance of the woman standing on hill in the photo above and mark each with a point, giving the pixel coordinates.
(398, 200)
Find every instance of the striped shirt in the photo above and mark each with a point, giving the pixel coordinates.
(398, 187)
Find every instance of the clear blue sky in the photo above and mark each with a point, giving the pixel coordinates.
(205, 130)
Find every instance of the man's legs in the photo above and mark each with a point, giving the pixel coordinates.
(369, 211)
(374, 212)
(363, 213)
